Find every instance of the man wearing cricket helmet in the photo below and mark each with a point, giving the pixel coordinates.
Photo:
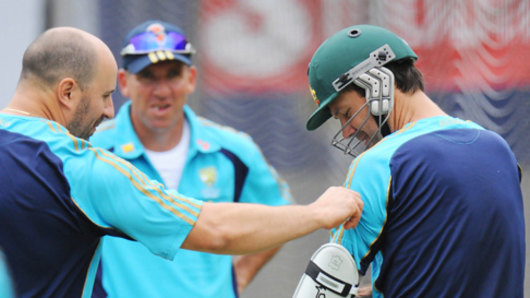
(443, 213)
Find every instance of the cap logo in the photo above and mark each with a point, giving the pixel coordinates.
(159, 31)
(155, 37)
(314, 95)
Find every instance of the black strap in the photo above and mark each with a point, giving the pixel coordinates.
(385, 129)
(240, 172)
(313, 271)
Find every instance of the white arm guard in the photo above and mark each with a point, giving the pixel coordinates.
(331, 273)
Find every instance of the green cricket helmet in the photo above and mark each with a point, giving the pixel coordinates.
(355, 55)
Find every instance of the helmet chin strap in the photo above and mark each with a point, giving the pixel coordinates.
(378, 83)
(383, 128)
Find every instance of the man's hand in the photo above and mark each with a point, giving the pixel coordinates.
(365, 291)
(338, 205)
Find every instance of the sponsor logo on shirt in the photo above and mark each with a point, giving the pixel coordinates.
(208, 176)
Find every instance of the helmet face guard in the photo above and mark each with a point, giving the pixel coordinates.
(359, 141)
(379, 94)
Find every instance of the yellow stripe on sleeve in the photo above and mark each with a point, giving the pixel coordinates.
(384, 222)
(57, 128)
(74, 140)
(50, 124)
(356, 163)
(339, 233)
(143, 188)
(147, 181)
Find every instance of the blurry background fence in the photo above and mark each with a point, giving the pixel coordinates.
(252, 59)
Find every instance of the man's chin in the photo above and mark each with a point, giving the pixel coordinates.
(86, 135)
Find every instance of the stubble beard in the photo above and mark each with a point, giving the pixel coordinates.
(78, 126)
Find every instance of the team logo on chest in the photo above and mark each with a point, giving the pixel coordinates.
(208, 176)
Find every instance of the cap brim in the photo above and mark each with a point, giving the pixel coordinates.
(321, 114)
(139, 62)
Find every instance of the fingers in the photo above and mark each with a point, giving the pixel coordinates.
(338, 205)
(356, 210)
(355, 217)
(365, 291)
(354, 207)
(343, 206)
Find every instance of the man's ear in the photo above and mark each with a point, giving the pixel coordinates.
(68, 92)
(122, 82)
(192, 79)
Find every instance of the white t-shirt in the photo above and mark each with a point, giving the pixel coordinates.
(170, 163)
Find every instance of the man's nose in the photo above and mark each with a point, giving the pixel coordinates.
(161, 88)
(108, 110)
(347, 130)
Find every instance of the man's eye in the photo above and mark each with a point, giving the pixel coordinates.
(173, 74)
(145, 75)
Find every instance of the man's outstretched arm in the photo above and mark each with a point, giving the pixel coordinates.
(228, 228)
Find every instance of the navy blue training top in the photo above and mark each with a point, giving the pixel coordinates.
(443, 213)
(60, 195)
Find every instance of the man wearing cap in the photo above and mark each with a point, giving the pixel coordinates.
(443, 213)
(161, 135)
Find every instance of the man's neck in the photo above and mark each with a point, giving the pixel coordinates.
(411, 108)
(34, 104)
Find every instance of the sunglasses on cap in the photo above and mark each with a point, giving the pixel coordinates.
(147, 42)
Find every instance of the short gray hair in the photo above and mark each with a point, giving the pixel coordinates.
(58, 54)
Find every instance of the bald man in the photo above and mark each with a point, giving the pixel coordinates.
(60, 194)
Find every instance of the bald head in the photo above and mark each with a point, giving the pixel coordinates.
(63, 52)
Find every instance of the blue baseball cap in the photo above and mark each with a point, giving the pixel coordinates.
(152, 42)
